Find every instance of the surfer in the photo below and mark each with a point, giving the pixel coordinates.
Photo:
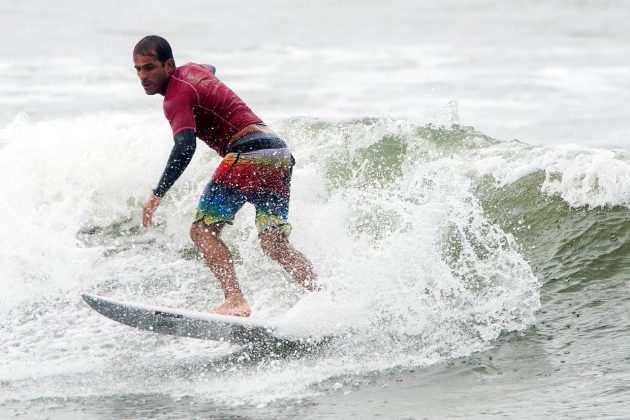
(256, 166)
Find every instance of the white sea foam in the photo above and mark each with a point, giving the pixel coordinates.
(412, 272)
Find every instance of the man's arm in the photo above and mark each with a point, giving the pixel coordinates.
(181, 154)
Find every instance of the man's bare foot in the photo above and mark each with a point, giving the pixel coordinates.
(234, 307)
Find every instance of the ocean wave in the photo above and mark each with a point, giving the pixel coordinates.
(424, 239)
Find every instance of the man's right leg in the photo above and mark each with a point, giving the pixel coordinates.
(219, 259)
(217, 206)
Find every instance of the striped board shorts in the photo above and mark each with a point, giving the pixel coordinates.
(257, 169)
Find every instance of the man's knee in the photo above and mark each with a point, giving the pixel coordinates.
(199, 231)
(273, 242)
(266, 243)
(195, 232)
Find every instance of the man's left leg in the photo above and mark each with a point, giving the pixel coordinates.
(271, 200)
(275, 244)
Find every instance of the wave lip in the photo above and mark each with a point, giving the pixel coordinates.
(580, 175)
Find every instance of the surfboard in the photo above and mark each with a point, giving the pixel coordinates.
(206, 326)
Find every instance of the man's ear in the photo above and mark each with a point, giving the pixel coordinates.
(170, 65)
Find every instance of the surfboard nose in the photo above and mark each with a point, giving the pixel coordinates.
(89, 299)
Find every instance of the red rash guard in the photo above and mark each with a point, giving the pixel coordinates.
(196, 100)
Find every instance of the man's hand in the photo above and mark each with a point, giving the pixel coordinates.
(149, 208)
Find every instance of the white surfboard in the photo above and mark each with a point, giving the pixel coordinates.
(206, 326)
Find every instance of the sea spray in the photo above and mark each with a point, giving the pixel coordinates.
(412, 270)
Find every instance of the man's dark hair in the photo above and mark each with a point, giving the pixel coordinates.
(154, 45)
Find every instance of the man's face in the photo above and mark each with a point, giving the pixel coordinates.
(153, 75)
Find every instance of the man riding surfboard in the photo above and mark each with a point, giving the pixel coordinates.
(256, 166)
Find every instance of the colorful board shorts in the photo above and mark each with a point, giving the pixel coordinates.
(257, 169)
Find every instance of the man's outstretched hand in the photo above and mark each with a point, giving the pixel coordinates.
(149, 208)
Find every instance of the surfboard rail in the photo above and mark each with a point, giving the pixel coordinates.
(182, 323)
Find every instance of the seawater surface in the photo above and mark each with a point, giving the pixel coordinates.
(462, 275)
